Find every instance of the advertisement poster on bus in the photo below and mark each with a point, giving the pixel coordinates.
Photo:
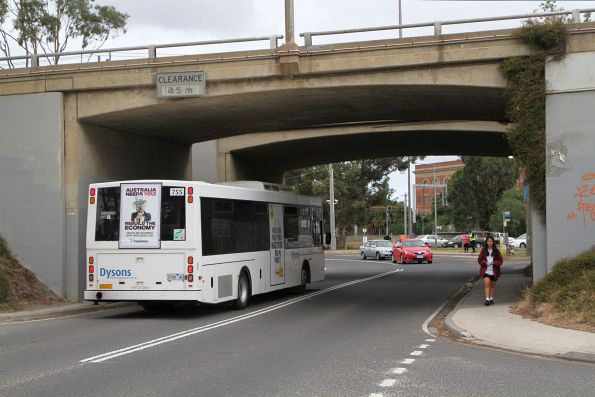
(140, 215)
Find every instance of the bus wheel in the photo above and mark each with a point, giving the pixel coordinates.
(303, 280)
(243, 292)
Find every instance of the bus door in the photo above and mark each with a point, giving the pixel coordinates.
(277, 247)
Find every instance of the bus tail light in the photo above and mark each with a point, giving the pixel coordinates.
(92, 200)
(190, 190)
(190, 260)
(190, 278)
(91, 260)
(91, 269)
(190, 269)
(92, 191)
(190, 199)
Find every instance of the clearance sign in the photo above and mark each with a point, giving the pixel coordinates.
(140, 215)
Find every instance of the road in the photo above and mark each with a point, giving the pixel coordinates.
(359, 333)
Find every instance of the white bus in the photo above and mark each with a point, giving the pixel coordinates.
(163, 241)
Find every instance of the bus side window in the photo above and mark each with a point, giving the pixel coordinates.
(291, 227)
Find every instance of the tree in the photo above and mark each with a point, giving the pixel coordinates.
(361, 187)
(511, 200)
(41, 27)
(474, 191)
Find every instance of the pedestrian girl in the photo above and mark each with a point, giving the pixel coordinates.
(490, 259)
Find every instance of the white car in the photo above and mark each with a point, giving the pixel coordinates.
(378, 249)
(520, 241)
(432, 239)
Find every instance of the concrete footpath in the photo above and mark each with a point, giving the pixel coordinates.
(495, 326)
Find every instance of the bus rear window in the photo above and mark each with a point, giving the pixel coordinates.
(107, 217)
(173, 214)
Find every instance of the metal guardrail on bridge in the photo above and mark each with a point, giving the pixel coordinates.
(151, 49)
(576, 18)
(273, 39)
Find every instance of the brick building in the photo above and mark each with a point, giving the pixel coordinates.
(428, 174)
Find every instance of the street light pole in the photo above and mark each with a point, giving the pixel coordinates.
(400, 20)
(409, 212)
(289, 26)
(405, 214)
(332, 206)
(435, 206)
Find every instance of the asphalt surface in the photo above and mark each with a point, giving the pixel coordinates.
(359, 333)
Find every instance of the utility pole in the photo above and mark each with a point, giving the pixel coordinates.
(405, 215)
(435, 206)
(289, 25)
(409, 212)
(332, 204)
(400, 20)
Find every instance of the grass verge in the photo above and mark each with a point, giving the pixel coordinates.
(565, 297)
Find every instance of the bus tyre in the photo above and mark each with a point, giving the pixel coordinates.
(243, 292)
(303, 280)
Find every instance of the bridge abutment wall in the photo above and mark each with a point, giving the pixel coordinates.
(570, 156)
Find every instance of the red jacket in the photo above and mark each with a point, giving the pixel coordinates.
(483, 262)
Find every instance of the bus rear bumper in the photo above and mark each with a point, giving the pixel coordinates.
(139, 296)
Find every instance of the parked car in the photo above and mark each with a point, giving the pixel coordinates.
(378, 249)
(456, 241)
(432, 239)
(520, 241)
(412, 250)
(480, 237)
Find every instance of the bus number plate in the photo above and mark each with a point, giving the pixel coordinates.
(175, 276)
(105, 286)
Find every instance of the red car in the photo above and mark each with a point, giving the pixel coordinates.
(411, 250)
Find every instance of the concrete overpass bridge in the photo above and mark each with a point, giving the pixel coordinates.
(264, 112)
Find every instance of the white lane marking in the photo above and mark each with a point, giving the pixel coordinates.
(431, 340)
(170, 338)
(416, 353)
(408, 361)
(424, 326)
(399, 371)
(423, 346)
(376, 395)
(388, 383)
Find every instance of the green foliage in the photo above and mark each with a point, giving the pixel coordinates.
(570, 287)
(47, 26)
(361, 189)
(526, 97)
(511, 200)
(474, 191)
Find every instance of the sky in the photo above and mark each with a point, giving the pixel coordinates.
(176, 21)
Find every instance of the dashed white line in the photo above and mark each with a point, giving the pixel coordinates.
(416, 353)
(376, 395)
(431, 340)
(388, 383)
(408, 361)
(399, 371)
(423, 346)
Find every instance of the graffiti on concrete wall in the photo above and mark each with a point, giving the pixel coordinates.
(584, 212)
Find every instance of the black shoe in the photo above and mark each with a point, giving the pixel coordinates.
(486, 303)
(491, 301)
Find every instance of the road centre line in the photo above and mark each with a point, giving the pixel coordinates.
(423, 346)
(399, 371)
(408, 361)
(416, 353)
(170, 338)
(388, 383)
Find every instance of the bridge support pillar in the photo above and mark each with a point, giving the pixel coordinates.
(570, 154)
